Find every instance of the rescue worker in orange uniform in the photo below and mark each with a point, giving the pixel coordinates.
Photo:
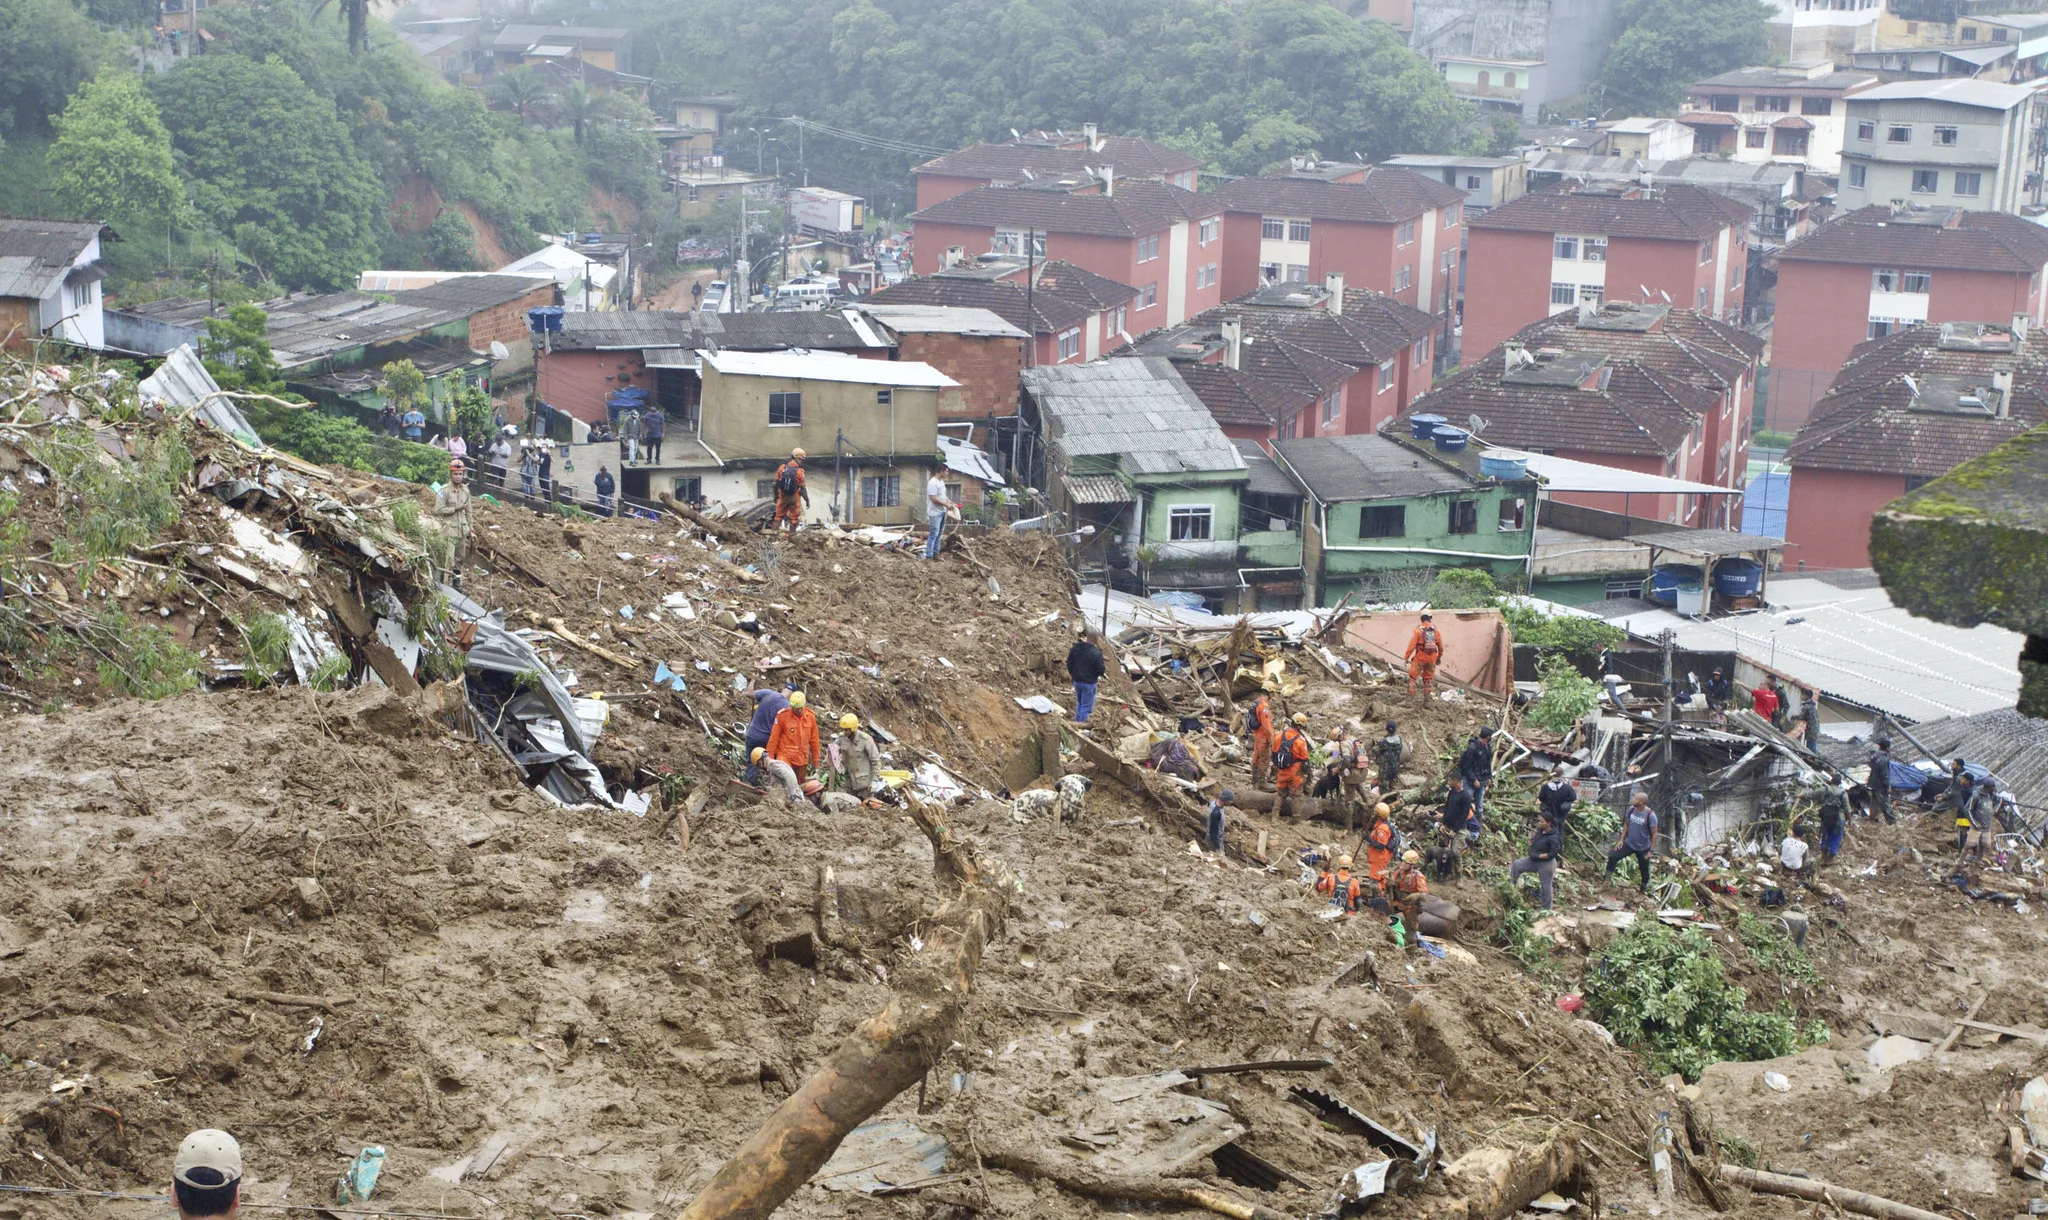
(1405, 889)
(1290, 764)
(1261, 717)
(1340, 886)
(794, 739)
(791, 495)
(1425, 649)
(1379, 843)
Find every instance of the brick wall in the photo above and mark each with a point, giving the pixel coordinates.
(577, 382)
(988, 370)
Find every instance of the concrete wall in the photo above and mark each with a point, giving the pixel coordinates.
(736, 427)
(1828, 515)
(1219, 496)
(1988, 142)
(1478, 649)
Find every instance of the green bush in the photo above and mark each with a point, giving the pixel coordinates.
(140, 660)
(1665, 995)
(110, 506)
(1463, 589)
(266, 648)
(1567, 697)
(330, 674)
(1570, 632)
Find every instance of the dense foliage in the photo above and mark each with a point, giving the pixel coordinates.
(1567, 697)
(1665, 45)
(112, 155)
(1665, 995)
(47, 49)
(1569, 632)
(1462, 589)
(1240, 85)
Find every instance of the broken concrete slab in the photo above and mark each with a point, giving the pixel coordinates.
(1893, 1050)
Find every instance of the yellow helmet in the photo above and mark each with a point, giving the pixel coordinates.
(1301, 717)
(1383, 810)
(1411, 856)
(1337, 734)
(849, 721)
(1343, 861)
(798, 454)
(758, 754)
(796, 698)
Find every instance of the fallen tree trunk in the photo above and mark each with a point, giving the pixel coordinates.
(724, 531)
(888, 1053)
(1494, 1182)
(1070, 1175)
(1820, 1192)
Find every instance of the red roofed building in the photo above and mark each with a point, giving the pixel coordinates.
(1072, 315)
(1048, 156)
(1162, 240)
(1637, 387)
(1874, 271)
(1905, 409)
(1392, 231)
(1545, 254)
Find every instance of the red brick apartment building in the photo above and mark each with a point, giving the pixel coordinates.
(1071, 314)
(1546, 254)
(1876, 270)
(1050, 155)
(1637, 387)
(1296, 360)
(1164, 241)
(1388, 230)
(1907, 408)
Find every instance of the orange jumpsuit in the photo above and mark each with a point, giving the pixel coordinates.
(789, 507)
(794, 739)
(1341, 885)
(1290, 765)
(1262, 739)
(1425, 649)
(1405, 887)
(1379, 849)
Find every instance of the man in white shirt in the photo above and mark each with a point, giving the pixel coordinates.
(1792, 851)
(936, 504)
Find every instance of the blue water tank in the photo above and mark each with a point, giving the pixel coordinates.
(1738, 577)
(1666, 578)
(1450, 440)
(546, 318)
(1421, 426)
(1505, 468)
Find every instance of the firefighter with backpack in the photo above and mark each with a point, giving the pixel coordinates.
(1291, 750)
(1341, 886)
(1425, 649)
(791, 496)
(1259, 723)
(1381, 842)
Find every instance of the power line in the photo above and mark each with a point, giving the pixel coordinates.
(883, 143)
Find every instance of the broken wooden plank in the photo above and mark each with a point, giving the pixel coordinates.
(1262, 1065)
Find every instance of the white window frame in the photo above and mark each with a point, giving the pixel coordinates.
(1404, 276)
(1116, 320)
(1923, 279)
(1563, 293)
(1930, 177)
(1866, 129)
(1148, 247)
(1593, 249)
(1976, 183)
(875, 487)
(798, 422)
(1898, 133)
(1452, 213)
(1181, 522)
(1404, 233)
(1069, 342)
(1205, 232)
(1858, 174)
(1011, 241)
(1564, 249)
(1386, 374)
(1298, 230)
(1333, 406)
(1946, 135)
(1272, 228)
(1148, 296)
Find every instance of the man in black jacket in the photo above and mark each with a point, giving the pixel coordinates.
(1556, 798)
(1544, 848)
(1085, 667)
(1475, 767)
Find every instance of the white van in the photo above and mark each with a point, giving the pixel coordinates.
(804, 294)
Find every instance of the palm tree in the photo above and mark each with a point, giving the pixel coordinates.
(521, 88)
(576, 104)
(357, 14)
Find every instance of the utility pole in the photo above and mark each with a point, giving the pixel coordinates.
(1031, 318)
(1668, 639)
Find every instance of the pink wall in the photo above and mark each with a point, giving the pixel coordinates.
(1828, 517)
(1507, 286)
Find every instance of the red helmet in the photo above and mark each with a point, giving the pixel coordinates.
(455, 466)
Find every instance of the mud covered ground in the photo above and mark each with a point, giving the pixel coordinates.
(541, 1011)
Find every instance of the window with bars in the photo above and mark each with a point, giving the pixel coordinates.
(881, 491)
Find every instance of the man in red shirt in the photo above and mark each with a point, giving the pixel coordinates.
(1764, 702)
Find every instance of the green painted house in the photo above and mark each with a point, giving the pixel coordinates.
(1130, 450)
(1382, 514)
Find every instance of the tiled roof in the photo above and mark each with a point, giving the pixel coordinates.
(1134, 210)
(1661, 380)
(1128, 155)
(1673, 213)
(1386, 196)
(1291, 367)
(1979, 241)
(1866, 423)
(1049, 312)
(36, 254)
(1237, 398)
(1078, 283)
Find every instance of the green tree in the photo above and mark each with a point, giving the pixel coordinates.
(355, 14)
(237, 352)
(620, 152)
(1665, 45)
(112, 155)
(522, 89)
(574, 106)
(404, 385)
(47, 49)
(451, 242)
(269, 162)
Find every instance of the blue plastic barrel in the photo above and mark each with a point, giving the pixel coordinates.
(1451, 440)
(1738, 577)
(1507, 468)
(1666, 578)
(1421, 426)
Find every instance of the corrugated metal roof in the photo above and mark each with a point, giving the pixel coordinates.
(943, 320)
(183, 382)
(1098, 489)
(1137, 411)
(2013, 747)
(35, 255)
(970, 460)
(1854, 645)
(828, 366)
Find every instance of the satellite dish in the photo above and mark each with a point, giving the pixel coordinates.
(1912, 386)
(1474, 424)
(1665, 295)
(499, 351)
(1646, 292)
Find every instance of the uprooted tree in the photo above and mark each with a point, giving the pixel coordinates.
(890, 1051)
